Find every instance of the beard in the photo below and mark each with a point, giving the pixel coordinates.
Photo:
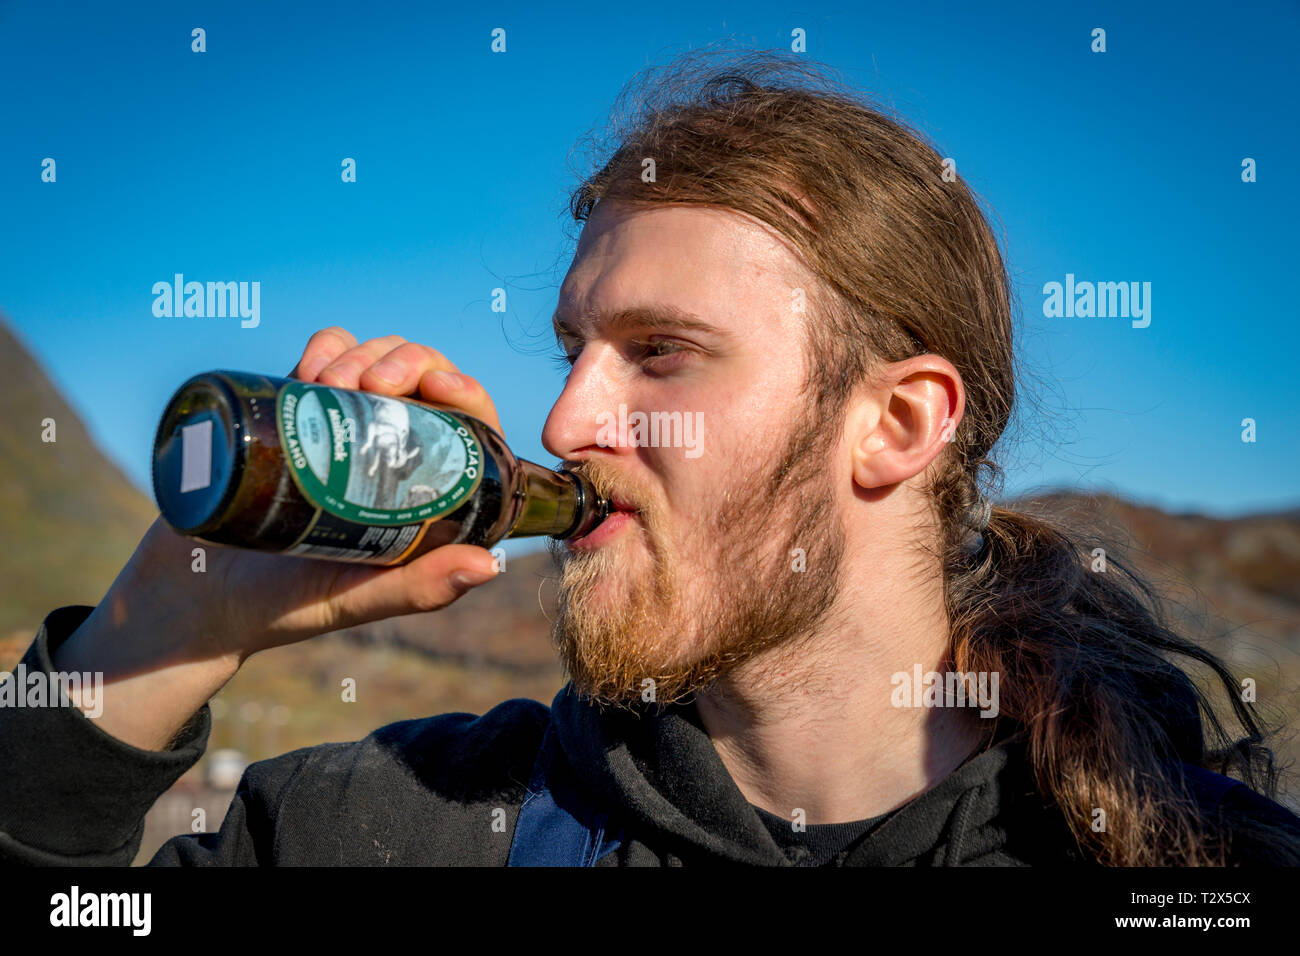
(772, 548)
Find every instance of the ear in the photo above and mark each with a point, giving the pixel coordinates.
(904, 420)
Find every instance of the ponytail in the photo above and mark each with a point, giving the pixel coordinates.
(1082, 653)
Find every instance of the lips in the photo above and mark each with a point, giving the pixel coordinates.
(622, 513)
(618, 503)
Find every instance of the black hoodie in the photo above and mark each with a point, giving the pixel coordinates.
(446, 790)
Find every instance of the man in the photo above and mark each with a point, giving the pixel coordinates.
(747, 636)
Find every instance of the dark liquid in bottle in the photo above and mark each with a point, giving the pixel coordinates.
(275, 464)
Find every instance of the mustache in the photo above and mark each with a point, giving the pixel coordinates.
(607, 481)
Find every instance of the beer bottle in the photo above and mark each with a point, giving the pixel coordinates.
(276, 464)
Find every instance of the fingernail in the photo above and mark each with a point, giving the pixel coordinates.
(467, 578)
(450, 379)
(389, 371)
(314, 367)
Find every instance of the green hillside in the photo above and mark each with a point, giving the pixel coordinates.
(69, 519)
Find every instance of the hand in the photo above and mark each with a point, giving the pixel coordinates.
(167, 638)
(313, 597)
(392, 366)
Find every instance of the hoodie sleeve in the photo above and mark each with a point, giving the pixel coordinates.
(249, 831)
(72, 794)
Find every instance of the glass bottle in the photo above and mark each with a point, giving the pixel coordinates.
(276, 464)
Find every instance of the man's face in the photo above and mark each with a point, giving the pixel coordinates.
(730, 536)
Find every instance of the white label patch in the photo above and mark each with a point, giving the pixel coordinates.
(196, 456)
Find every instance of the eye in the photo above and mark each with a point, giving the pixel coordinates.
(567, 350)
(656, 355)
(564, 360)
(660, 355)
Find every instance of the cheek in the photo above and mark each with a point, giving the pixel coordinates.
(705, 486)
(735, 433)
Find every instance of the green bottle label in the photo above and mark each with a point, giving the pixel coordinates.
(375, 460)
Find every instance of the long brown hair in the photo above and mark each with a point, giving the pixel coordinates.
(907, 264)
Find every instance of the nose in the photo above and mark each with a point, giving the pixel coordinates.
(574, 426)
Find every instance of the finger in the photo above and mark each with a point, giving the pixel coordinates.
(398, 371)
(426, 584)
(322, 348)
(414, 368)
(345, 371)
(463, 392)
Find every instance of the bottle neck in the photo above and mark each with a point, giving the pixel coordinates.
(557, 503)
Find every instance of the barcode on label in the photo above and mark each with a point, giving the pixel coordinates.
(196, 456)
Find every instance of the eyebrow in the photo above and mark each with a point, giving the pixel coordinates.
(642, 317)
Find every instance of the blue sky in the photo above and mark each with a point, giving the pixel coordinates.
(225, 165)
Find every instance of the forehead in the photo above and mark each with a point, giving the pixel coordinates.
(700, 259)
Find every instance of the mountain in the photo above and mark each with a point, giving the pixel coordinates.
(1231, 583)
(69, 519)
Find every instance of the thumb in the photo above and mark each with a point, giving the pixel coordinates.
(457, 567)
(430, 582)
